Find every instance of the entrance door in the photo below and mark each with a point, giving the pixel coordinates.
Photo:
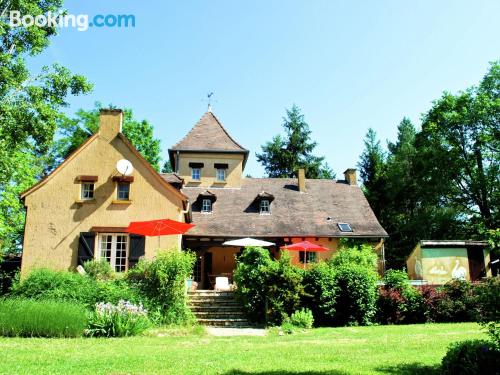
(113, 248)
(207, 269)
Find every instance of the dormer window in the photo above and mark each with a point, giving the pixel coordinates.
(206, 205)
(265, 207)
(87, 192)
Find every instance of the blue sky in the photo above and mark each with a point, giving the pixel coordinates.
(349, 65)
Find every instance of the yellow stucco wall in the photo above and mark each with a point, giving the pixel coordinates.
(55, 219)
(329, 243)
(234, 172)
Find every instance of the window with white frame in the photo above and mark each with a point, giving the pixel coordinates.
(114, 248)
(123, 191)
(308, 257)
(220, 174)
(87, 191)
(196, 174)
(206, 205)
(265, 207)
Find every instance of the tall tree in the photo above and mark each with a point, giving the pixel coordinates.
(30, 108)
(85, 123)
(283, 155)
(461, 139)
(372, 168)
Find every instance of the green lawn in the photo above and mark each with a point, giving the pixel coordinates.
(357, 350)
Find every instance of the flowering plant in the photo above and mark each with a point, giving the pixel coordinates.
(122, 319)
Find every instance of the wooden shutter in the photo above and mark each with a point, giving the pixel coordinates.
(86, 247)
(136, 249)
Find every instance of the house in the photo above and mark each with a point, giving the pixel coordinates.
(81, 209)
(437, 262)
(209, 165)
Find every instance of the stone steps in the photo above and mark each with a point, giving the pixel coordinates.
(217, 309)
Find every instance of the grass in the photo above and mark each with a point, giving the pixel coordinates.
(414, 349)
(30, 318)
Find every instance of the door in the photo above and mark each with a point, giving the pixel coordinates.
(113, 248)
(207, 268)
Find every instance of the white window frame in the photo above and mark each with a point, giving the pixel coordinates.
(309, 257)
(265, 207)
(206, 206)
(87, 187)
(118, 197)
(220, 172)
(115, 237)
(196, 174)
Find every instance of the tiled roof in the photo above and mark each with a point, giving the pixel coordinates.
(313, 213)
(208, 135)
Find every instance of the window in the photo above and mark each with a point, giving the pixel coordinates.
(196, 174)
(220, 174)
(344, 227)
(87, 191)
(265, 207)
(311, 256)
(113, 248)
(206, 205)
(123, 191)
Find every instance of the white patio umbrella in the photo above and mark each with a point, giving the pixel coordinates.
(244, 242)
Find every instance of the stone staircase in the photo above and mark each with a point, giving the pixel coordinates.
(217, 309)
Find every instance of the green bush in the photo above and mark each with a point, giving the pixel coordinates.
(320, 292)
(363, 256)
(470, 358)
(122, 319)
(302, 319)
(398, 301)
(30, 318)
(356, 296)
(456, 303)
(162, 281)
(264, 282)
(487, 303)
(99, 269)
(43, 284)
(251, 275)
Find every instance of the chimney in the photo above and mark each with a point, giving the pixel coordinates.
(350, 176)
(302, 180)
(110, 123)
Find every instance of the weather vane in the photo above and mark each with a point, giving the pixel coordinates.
(209, 99)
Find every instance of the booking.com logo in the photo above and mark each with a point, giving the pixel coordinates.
(80, 21)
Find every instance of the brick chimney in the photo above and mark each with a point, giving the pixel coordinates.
(302, 180)
(110, 123)
(350, 176)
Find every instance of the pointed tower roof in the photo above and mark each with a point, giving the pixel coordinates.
(208, 135)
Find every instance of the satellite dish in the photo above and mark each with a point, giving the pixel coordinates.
(124, 167)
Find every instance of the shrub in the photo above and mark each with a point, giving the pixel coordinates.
(260, 279)
(471, 357)
(363, 256)
(30, 318)
(302, 319)
(398, 301)
(122, 319)
(357, 294)
(250, 276)
(99, 269)
(43, 284)
(487, 302)
(456, 303)
(162, 281)
(320, 292)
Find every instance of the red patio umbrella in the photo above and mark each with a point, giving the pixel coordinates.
(162, 227)
(304, 246)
